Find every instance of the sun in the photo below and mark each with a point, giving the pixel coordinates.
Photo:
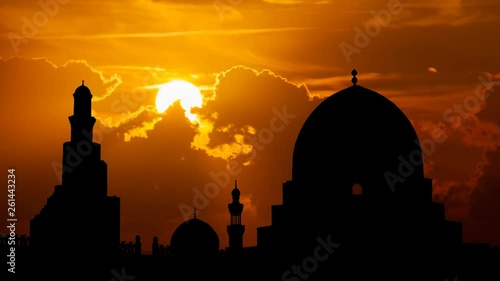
(188, 94)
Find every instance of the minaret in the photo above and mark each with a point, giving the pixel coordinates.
(84, 173)
(235, 229)
(82, 122)
(65, 227)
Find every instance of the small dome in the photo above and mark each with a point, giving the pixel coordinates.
(194, 238)
(235, 192)
(82, 90)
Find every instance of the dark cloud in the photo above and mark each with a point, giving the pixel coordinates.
(474, 201)
(485, 210)
(246, 97)
(491, 94)
(484, 199)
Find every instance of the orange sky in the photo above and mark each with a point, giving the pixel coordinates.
(250, 59)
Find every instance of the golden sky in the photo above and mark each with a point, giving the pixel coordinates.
(253, 61)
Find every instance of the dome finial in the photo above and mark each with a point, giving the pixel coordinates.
(195, 212)
(354, 79)
(236, 192)
(83, 82)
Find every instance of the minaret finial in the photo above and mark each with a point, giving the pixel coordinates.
(235, 184)
(354, 79)
(83, 82)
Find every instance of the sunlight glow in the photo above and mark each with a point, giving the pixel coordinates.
(188, 94)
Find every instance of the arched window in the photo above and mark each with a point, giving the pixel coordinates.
(357, 189)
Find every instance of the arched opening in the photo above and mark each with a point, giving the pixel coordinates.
(357, 189)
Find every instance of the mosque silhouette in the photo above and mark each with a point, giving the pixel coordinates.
(358, 207)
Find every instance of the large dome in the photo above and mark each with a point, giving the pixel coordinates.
(194, 238)
(356, 136)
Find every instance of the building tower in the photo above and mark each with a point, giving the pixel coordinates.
(83, 168)
(235, 229)
(358, 182)
(79, 218)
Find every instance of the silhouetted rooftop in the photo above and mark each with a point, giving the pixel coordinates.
(82, 90)
(194, 238)
(359, 134)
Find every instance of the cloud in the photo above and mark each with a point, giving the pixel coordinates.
(248, 205)
(296, 2)
(20, 68)
(485, 210)
(471, 200)
(138, 123)
(491, 93)
(449, 13)
(153, 175)
(482, 129)
(325, 86)
(484, 198)
(176, 33)
(38, 88)
(474, 202)
(236, 3)
(245, 102)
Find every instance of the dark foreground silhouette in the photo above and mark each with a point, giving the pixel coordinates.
(358, 207)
